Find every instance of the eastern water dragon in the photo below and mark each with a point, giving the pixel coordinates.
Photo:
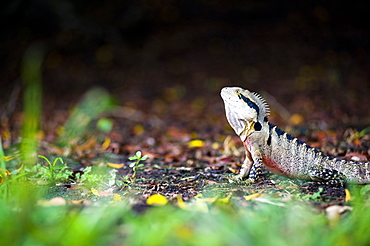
(267, 145)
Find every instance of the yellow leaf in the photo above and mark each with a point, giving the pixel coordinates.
(116, 198)
(106, 143)
(348, 195)
(95, 192)
(77, 201)
(253, 196)
(89, 144)
(296, 119)
(41, 134)
(12, 156)
(193, 135)
(181, 203)
(196, 143)
(7, 173)
(233, 170)
(120, 165)
(60, 130)
(215, 145)
(138, 129)
(20, 169)
(185, 231)
(199, 204)
(224, 200)
(200, 195)
(6, 135)
(157, 200)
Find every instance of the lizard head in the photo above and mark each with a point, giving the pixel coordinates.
(245, 110)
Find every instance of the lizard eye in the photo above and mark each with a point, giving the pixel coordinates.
(257, 126)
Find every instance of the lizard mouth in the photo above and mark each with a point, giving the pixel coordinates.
(249, 126)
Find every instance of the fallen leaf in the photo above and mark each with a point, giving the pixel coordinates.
(113, 165)
(106, 143)
(215, 145)
(117, 198)
(89, 144)
(196, 143)
(157, 200)
(296, 119)
(355, 157)
(56, 201)
(108, 192)
(12, 156)
(253, 196)
(76, 201)
(348, 195)
(138, 129)
(200, 204)
(224, 200)
(5, 171)
(233, 170)
(95, 192)
(334, 212)
(181, 203)
(200, 195)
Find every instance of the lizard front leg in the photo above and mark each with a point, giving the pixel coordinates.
(255, 172)
(245, 169)
(251, 168)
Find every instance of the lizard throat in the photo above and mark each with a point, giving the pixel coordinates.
(248, 130)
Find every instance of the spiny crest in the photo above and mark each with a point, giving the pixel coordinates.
(251, 104)
(261, 102)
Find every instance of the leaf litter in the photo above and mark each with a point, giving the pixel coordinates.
(187, 154)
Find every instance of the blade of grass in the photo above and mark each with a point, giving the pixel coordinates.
(95, 102)
(2, 163)
(31, 77)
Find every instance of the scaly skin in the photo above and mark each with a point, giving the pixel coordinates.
(267, 145)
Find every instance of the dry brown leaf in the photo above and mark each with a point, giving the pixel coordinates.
(335, 212)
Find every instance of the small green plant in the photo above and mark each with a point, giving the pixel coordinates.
(315, 196)
(95, 178)
(135, 165)
(105, 125)
(50, 174)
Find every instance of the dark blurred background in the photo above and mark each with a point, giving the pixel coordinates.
(152, 48)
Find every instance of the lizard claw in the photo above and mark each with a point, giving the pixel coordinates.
(231, 179)
(237, 179)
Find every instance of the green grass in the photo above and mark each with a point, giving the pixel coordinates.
(32, 101)
(116, 224)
